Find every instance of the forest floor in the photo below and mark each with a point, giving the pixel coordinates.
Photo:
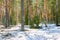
(50, 33)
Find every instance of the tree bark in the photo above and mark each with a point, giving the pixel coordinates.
(6, 14)
(45, 12)
(36, 6)
(22, 15)
(56, 12)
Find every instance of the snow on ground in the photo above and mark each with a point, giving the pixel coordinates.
(50, 33)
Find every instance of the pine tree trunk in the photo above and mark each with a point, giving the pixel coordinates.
(45, 12)
(6, 14)
(56, 12)
(36, 6)
(22, 15)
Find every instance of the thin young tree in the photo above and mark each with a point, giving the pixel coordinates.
(0, 12)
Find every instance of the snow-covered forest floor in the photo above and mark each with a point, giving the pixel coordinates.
(50, 33)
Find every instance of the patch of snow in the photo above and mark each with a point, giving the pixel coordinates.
(53, 33)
